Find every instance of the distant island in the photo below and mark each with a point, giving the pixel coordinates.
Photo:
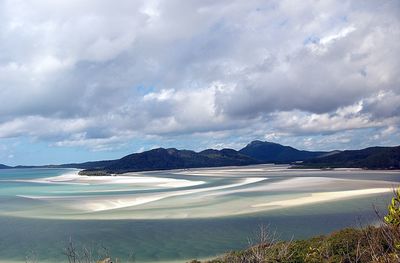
(369, 158)
(256, 152)
(2, 166)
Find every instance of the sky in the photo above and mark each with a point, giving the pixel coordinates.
(98, 79)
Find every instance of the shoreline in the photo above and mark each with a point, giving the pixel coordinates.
(237, 167)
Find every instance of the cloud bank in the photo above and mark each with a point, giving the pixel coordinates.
(97, 74)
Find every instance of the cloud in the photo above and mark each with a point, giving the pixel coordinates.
(97, 74)
(386, 104)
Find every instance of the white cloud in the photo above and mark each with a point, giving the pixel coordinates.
(88, 73)
(322, 45)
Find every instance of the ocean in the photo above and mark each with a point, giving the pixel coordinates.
(175, 216)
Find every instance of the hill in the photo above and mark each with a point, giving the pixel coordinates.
(370, 158)
(2, 166)
(164, 159)
(269, 152)
(256, 152)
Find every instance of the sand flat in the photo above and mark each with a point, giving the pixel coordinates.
(129, 178)
(323, 197)
(227, 191)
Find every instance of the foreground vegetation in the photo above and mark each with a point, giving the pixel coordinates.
(348, 245)
(371, 244)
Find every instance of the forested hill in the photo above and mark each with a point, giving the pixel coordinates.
(269, 152)
(163, 159)
(256, 152)
(370, 158)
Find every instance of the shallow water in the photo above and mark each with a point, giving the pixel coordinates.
(181, 214)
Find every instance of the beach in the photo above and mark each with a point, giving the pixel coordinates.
(193, 193)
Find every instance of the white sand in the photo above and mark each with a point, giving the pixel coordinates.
(231, 171)
(323, 197)
(308, 184)
(74, 178)
(129, 201)
(106, 202)
(215, 194)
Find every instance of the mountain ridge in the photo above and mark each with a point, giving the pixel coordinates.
(2, 166)
(256, 152)
(377, 157)
(276, 153)
(171, 158)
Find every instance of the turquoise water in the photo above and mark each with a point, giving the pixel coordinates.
(177, 218)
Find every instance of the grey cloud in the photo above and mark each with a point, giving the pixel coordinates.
(223, 66)
(383, 105)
